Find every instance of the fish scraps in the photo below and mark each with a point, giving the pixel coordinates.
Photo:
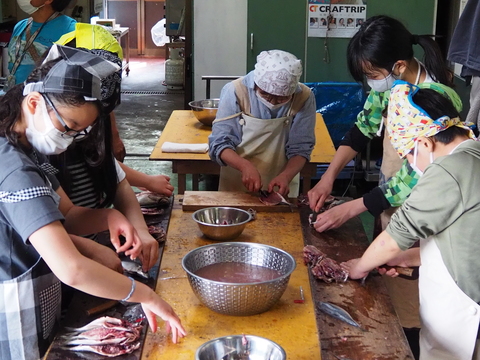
(322, 267)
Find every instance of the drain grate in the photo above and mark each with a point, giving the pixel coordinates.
(153, 92)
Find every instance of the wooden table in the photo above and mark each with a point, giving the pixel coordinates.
(303, 333)
(183, 127)
(290, 325)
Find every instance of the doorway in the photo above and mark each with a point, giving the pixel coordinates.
(140, 16)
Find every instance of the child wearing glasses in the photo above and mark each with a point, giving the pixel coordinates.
(37, 217)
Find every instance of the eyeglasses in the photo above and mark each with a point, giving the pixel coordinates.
(76, 135)
(271, 98)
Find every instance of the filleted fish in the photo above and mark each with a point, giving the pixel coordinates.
(106, 336)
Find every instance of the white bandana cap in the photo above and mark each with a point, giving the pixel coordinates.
(277, 72)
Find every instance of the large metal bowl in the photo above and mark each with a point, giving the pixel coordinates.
(221, 223)
(205, 110)
(239, 298)
(230, 347)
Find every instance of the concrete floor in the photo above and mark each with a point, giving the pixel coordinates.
(145, 108)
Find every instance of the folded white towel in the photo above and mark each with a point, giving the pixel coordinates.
(184, 148)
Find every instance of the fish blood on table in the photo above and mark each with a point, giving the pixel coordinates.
(322, 267)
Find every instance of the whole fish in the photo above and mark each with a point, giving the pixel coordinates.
(148, 199)
(338, 313)
(134, 268)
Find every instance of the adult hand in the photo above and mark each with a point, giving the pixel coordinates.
(282, 182)
(119, 225)
(149, 254)
(317, 195)
(161, 308)
(351, 266)
(159, 184)
(251, 178)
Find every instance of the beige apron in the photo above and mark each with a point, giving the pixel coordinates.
(450, 318)
(403, 292)
(263, 142)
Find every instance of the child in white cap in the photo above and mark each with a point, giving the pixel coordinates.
(264, 132)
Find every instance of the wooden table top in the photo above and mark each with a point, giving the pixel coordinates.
(298, 328)
(289, 324)
(183, 127)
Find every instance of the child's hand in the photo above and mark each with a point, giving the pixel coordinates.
(160, 184)
(161, 308)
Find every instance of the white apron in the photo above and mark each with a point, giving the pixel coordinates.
(263, 144)
(403, 292)
(450, 318)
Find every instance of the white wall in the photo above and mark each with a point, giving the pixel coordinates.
(219, 42)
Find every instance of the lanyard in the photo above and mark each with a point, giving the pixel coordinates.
(29, 41)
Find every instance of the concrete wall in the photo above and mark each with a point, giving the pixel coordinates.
(219, 42)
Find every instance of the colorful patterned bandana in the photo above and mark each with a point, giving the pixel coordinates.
(406, 121)
(277, 72)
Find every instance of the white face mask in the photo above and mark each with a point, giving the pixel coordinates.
(269, 104)
(49, 141)
(415, 154)
(27, 7)
(383, 85)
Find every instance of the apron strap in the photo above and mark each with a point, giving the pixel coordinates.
(227, 118)
(299, 99)
(243, 100)
(29, 39)
(241, 92)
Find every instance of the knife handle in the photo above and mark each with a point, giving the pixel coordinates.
(102, 307)
(410, 273)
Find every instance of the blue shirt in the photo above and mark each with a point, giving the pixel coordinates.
(51, 32)
(227, 134)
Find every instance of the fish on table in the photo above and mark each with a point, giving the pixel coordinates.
(338, 313)
(107, 336)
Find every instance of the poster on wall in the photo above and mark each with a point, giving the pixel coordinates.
(335, 18)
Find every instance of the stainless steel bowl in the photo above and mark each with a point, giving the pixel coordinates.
(205, 110)
(221, 223)
(239, 298)
(230, 347)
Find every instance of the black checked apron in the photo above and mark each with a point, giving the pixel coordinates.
(30, 304)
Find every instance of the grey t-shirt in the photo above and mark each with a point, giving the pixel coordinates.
(27, 203)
